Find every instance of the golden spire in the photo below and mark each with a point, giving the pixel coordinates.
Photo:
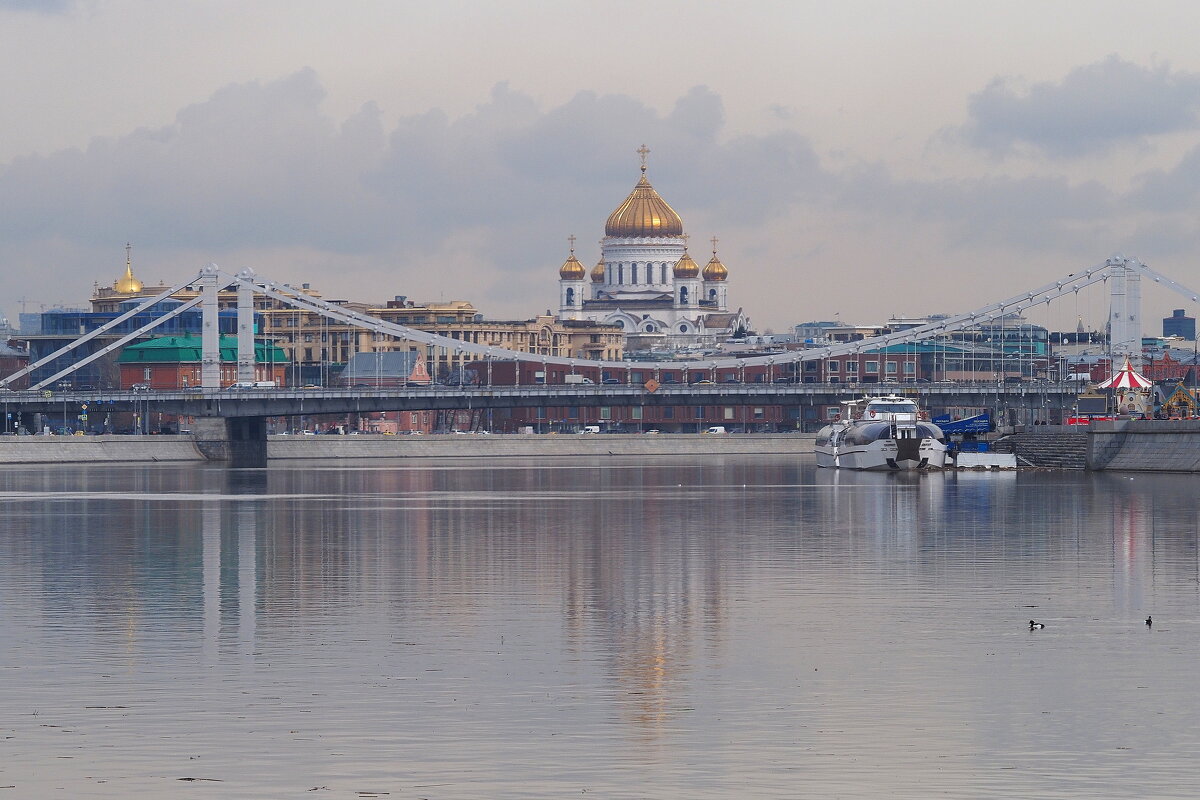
(714, 270)
(127, 284)
(571, 270)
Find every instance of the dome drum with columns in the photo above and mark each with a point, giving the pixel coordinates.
(647, 282)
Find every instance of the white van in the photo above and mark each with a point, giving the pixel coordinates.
(717, 429)
(590, 429)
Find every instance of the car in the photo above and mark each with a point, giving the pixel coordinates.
(310, 386)
(611, 382)
(704, 383)
(309, 433)
(140, 387)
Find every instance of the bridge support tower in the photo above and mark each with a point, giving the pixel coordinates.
(238, 441)
(1124, 311)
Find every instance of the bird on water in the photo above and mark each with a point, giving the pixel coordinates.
(1149, 622)
(1035, 626)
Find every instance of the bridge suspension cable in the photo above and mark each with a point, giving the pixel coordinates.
(100, 330)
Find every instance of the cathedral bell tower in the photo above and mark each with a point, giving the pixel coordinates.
(571, 286)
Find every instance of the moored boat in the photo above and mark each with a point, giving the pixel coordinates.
(881, 433)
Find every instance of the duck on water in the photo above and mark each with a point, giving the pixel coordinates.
(881, 433)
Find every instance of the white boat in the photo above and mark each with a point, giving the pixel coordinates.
(881, 433)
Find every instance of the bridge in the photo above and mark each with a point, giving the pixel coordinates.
(238, 416)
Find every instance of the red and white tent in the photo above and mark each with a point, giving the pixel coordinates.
(1127, 378)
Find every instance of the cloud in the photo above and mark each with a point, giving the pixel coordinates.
(259, 165)
(1095, 107)
(38, 6)
(479, 205)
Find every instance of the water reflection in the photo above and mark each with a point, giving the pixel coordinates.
(702, 624)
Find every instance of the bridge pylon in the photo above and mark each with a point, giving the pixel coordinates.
(1125, 309)
(210, 331)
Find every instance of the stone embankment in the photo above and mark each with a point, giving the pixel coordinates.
(546, 445)
(134, 449)
(1145, 445)
(96, 449)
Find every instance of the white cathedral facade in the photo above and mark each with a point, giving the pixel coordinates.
(647, 283)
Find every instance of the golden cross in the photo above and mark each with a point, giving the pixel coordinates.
(643, 151)
(714, 241)
(128, 247)
(571, 239)
(686, 237)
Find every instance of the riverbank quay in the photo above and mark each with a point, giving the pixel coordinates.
(111, 449)
(1144, 445)
(135, 449)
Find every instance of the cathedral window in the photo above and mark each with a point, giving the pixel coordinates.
(683, 294)
(620, 273)
(664, 272)
(683, 329)
(570, 297)
(712, 294)
(633, 273)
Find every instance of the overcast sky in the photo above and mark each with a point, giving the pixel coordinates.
(860, 158)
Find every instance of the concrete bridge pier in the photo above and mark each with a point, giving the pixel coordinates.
(240, 441)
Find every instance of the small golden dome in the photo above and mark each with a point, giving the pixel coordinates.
(714, 270)
(127, 284)
(572, 270)
(644, 213)
(686, 267)
(598, 272)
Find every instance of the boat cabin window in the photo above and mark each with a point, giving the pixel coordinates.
(892, 407)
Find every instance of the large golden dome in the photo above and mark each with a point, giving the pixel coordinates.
(572, 270)
(644, 213)
(598, 271)
(686, 267)
(127, 284)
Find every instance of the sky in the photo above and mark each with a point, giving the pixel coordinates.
(856, 160)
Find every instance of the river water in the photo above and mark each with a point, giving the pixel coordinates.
(659, 628)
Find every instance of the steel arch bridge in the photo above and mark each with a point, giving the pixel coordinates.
(1122, 274)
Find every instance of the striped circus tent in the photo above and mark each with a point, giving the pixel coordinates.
(1127, 378)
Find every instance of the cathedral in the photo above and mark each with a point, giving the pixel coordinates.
(647, 283)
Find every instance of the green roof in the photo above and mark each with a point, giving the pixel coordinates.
(188, 349)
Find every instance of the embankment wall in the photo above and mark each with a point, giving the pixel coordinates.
(1144, 445)
(515, 445)
(96, 449)
(135, 449)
